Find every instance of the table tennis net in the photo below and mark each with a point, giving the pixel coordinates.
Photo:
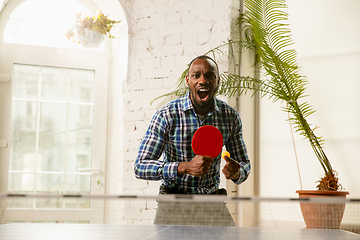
(181, 210)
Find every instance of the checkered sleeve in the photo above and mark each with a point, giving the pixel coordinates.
(148, 165)
(237, 149)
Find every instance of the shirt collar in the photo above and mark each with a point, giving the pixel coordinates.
(186, 103)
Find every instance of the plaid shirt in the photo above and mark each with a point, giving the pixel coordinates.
(170, 133)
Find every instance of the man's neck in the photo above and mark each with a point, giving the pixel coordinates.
(204, 111)
(201, 116)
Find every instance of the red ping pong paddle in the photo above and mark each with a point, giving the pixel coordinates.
(207, 141)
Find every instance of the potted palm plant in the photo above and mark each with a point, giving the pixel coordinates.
(91, 30)
(265, 31)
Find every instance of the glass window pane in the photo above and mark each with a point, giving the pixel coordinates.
(20, 202)
(23, 136)
(49, 183)
(57, 139)
(52, 137)
(25, 81)
(76, 203)
(21, 182)
(78, 184)
(54, 83)
(81, 85)
(30, 24)
(79, 137)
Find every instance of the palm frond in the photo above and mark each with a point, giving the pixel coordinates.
(236, 85)
(265, 31)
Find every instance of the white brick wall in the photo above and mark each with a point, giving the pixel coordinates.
(164, 35)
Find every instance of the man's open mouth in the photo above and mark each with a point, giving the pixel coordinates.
(203, 94)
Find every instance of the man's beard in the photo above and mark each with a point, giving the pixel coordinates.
(202, 107)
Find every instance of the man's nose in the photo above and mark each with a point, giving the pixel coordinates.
(202, 80)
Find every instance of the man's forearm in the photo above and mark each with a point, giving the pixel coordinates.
(147, 169)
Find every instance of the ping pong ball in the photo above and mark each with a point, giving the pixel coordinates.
(225, 153)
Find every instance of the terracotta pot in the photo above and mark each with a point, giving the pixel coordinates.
(322, 215)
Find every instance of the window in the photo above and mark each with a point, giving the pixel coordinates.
(43, 23)
(52, 125)
(54, 117)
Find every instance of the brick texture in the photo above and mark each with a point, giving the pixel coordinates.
(164, 35)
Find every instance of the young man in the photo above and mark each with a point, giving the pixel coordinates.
(170, 133)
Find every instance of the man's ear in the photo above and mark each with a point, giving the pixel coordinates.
(218, 80)
(187, 80)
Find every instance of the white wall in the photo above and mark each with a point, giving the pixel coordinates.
(327, 39)
(165, 35)
(2, 4)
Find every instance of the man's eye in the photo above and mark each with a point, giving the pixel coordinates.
(210, 76)
(196, 75)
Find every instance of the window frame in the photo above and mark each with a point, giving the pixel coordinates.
(68, 58)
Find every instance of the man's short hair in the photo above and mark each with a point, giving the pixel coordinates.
(203, 57)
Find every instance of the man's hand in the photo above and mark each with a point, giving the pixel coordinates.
(199, 166)
(231, 169)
